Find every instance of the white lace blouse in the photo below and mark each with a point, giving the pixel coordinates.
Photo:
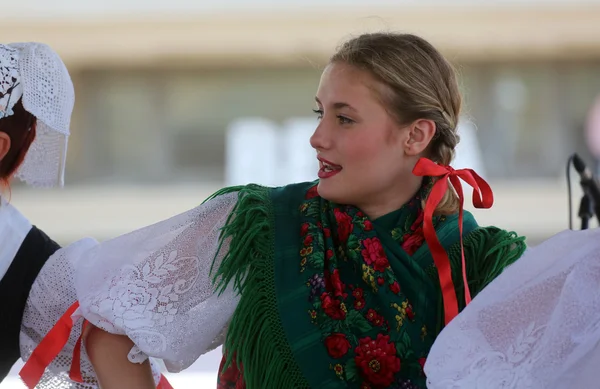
(153, 285)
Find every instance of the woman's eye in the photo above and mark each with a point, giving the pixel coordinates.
(344, 120)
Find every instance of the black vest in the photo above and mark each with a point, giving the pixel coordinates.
(14, 291)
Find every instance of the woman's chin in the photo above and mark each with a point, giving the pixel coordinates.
(333, 192)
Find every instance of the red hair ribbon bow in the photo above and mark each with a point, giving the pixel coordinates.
(482, 198)
(50, 347)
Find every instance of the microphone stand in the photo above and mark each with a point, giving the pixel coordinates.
(585, 211)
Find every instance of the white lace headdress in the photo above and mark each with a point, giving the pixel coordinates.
(34, 73)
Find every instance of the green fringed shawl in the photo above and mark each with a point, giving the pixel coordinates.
(314, 297)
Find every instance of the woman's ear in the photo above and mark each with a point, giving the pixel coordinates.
(421, 132)
(4, 144)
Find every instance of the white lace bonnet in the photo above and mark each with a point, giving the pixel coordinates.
(34, 73)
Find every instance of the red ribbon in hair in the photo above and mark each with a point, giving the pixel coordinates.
(50, 347)
(482, 198)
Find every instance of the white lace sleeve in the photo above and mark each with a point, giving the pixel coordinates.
(153, 285)
(536, 326)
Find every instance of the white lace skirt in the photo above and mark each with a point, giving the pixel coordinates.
(536, 326)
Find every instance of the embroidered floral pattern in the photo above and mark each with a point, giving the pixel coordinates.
(348, 269)
(140, 297)
(372, 334)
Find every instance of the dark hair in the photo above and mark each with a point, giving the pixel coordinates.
(20, 127)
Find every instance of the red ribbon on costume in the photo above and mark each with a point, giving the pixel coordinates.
(483, 197)
(75, 371)
(50, 347)
(163, 383)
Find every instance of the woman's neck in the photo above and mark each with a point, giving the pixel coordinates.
(392, 199)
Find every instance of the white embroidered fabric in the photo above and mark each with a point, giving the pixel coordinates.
(14, 227)
(536, 326)
(153, 285)
(48, 94)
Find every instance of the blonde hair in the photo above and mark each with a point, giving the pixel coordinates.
(418, 83)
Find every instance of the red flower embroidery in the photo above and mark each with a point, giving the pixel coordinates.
(308, 240)
(395, 287)
(337, 345)
(412, 242)
(422, 363)
(304, 229)
(357, 293)
(359, 304)
(333, 307)
(380, 281)
(326, 232)
(344, 225)
(377, 360)
(368, 225)
(336, 284)
(374, 255)
(312, 193)
(329, 254)
(375, 317)
(409, 312)
(418, 221)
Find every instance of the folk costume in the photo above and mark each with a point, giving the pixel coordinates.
(302, 292)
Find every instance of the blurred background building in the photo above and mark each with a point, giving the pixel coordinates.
(160, 83)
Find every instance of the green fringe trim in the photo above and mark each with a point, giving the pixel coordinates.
(220, 283)
(488, 251)
(255, 334)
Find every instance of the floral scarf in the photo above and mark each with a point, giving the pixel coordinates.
(344, 301)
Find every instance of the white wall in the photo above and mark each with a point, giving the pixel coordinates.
(57, 8)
